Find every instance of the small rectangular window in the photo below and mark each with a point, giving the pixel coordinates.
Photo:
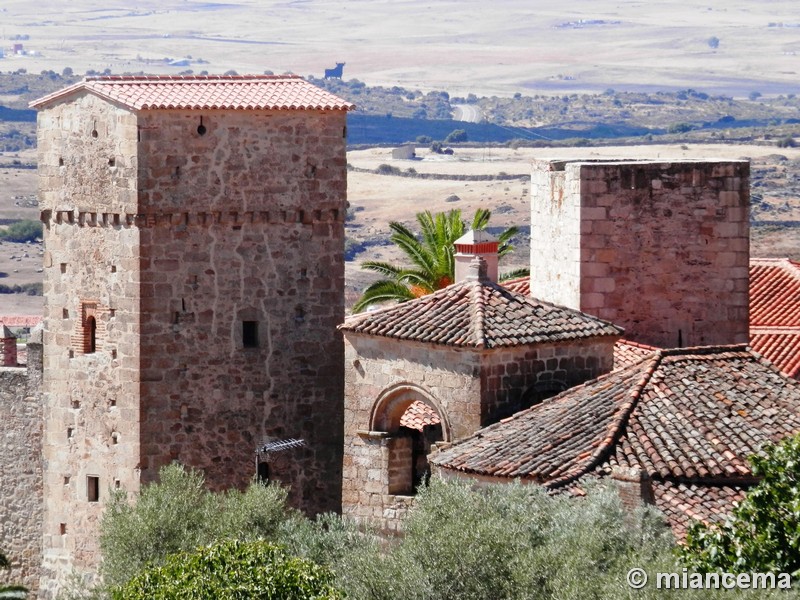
(93, 488)
(250, 334)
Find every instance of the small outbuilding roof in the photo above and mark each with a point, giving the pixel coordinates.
(204, 92)
(775, 312)
(477, 313)
(688, 418)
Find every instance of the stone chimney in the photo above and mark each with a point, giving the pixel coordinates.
(8, 347)
(476, 244)
(634, 485)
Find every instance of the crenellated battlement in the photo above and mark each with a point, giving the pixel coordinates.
(187, 219)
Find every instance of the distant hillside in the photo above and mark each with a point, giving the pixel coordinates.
(397, 115)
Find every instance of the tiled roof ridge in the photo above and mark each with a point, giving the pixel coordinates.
(617, 425)
(477, 312)
(245, 77)
(285, 92)
(702, 350)
(775, 261)
(638, 344)
(571, 478)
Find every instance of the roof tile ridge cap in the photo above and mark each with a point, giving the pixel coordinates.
(704, 350)
(572, 310)
(477, 312)
(614, 432)
(636, 344)
(58, 93)
(765, 362)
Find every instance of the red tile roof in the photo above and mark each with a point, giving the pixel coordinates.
(683, 504)
(627, 352)
(775, 312)
(20, 320)
(477, 313)
(774, 292)
(688, 416)
(209, 92)
(520, 285)
(419, 415)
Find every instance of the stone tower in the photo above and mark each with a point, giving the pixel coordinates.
(659, 248)
(193, 281)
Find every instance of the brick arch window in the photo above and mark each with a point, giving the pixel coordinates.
(89, 328)
(90, 341)
(414, 421)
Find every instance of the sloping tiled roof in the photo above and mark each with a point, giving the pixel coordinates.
(520, 285)
(627, 352)
(419, 415)
(774, 292)
(688, 418)
(775, 312)
(205, 92)
(685, 503)
(20, 320)
(477, 313)
(691, 415)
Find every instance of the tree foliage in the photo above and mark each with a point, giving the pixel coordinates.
(762, 533)
(508, 541)
(178, 514)
(230, 570)
(431, 257)
(22, 231)
(10, 591)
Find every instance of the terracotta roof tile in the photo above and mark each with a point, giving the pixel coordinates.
(479, 314)
(691, 415)
(419, 415)
(20, 320)
(684, 504)
(774, 292)
(210, 92)
(775, 312)
(627, 352)
(520, 285)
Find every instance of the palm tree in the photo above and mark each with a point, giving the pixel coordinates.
(432, 257)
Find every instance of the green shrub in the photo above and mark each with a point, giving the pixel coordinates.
(22, 231)
(231, 570)
(762, 533)
(508, 541)
(457, 135)
(179, 514)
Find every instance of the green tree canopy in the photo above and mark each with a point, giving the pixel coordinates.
(431, 256)
(762, 533)
(232, 570)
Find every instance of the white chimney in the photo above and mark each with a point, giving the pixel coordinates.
(476, 244)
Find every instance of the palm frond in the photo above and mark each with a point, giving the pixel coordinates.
(386, 269)
(515, 274)
(382, 291)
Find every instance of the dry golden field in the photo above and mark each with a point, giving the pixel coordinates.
(502, 47)
(377, 199)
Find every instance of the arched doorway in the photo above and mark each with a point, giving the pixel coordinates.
(414, 421)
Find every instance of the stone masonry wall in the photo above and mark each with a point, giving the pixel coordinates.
(472, 388)
(245, 223)
(663, 247)
(169, 240)
(87, 169)
(541, 370)
(21, 469)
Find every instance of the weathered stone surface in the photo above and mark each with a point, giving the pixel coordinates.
(468, 388)
(21, 497)
(164, 242)
(658, 248)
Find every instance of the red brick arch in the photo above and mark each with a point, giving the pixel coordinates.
(393, 402)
